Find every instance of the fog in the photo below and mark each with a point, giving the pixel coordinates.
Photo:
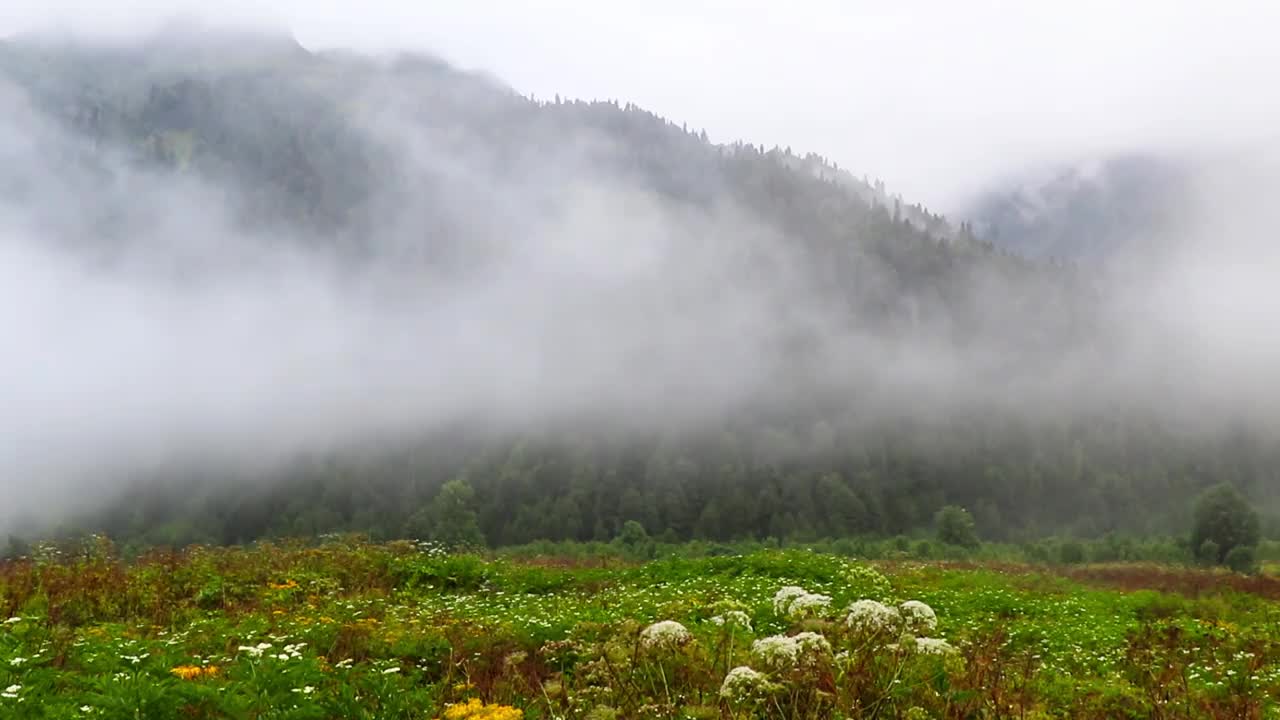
(145, 322)
(932, 96)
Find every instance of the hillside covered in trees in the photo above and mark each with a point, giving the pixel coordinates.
(555, 316)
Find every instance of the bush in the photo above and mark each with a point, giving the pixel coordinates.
(955, 526)
(1208, 552)
(1071, 552)
(1241, 559)
(1224, 518)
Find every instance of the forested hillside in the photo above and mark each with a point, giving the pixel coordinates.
(715, 340)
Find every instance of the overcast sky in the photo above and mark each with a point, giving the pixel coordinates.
(936, 98)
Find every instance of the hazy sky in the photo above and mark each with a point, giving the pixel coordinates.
(933, 97)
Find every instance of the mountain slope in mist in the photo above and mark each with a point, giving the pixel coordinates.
(1122, 205)
(255, 289)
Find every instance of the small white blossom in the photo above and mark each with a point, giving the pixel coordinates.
(733, 618)
(872, 616)
(796, 603)
(742, 683)
(11, 691)
(391, 671)
(808, 605)
(17, 661)
(665, 634)
(783, 652)
(255, 650)
(934, 646)
(920, 618)
(307, 690)
(783, 598)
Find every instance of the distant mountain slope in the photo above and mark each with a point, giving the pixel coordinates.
(413, 156)
(361, 278)
(1086, 212)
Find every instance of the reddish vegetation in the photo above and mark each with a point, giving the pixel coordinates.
(1186, 581)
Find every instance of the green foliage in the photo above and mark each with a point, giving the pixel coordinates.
(955, 526)
(1223, 521)
(450, 518)
(1071, 552)
(1241, 559)
(401, 630)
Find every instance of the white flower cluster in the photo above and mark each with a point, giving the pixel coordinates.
(869, 582)
(920, 618)
(11, 691)
(664, 634)
(871, 616)
(733, 618)
(255, 650)
(782, 652)
(797, 603)
(933, 646)
(743, 683)
(291, 652)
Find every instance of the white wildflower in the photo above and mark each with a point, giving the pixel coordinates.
(11, 691)
(796, 603)
(783, 652)
(920, 618)
(255, 650)
(934, 646)
(783, 598)
(868, 581)
(307, 690)
(742, 683)
(872, 616)
(391, 671)
(17, 661)
(664, 634)
(808, 605)
(733, 618)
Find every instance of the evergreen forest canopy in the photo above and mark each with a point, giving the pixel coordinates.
(268, 291)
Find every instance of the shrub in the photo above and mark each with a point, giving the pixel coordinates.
(1223, 517)
(955, 526)
(1241, 559)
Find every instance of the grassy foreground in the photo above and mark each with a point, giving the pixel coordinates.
(348, 629)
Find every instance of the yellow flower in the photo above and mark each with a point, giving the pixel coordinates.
(287, 585)
(474, 709)
(187, 672)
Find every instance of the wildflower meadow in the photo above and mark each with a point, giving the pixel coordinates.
(350, 629)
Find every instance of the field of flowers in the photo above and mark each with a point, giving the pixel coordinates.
(347, 629)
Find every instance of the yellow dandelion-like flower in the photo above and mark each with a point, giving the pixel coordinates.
(187, 672)
(474, 709)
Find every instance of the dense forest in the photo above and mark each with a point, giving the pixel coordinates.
(821, 439)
